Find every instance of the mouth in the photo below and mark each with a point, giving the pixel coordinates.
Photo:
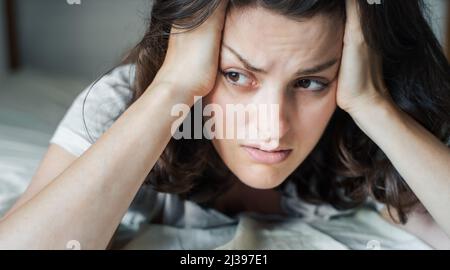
(267, 157)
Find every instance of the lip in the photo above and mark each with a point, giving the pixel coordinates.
(267, 157)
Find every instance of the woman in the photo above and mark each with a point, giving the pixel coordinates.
(363, 113)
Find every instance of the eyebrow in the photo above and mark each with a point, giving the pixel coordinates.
(244, 61)
(317, 69)
(302, 72)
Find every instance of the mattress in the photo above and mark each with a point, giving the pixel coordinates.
(31, 105)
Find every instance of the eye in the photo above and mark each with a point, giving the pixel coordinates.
(238, 78)
(310, 85)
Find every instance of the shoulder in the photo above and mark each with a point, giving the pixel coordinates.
(113, 91)
(95, 109)
(105, 100)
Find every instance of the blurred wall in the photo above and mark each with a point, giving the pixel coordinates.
(438, 9)
(3, 55)
(80, 40)
(88, 39)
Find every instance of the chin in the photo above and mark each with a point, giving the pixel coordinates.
(261, 178)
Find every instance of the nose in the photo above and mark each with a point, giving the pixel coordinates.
(273, 123)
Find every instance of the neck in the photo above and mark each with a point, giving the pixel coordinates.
(242, 198)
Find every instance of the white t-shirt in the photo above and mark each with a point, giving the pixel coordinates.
(96, 109)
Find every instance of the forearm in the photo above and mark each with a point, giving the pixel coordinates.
(87, 201)
(420, 158)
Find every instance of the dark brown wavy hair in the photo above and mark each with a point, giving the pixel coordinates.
(346, 167)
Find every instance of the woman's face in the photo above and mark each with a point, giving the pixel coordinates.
(267, 59)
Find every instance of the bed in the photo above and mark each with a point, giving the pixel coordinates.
(31, 105)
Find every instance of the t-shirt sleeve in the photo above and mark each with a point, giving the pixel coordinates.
(94, 110)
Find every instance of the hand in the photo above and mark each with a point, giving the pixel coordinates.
(360, 77)
(192, 58)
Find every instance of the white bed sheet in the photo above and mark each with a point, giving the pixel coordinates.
(31, 105)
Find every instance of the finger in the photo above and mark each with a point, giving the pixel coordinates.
(353, 31)
(215, 21)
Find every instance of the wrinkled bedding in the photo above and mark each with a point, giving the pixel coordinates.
(31, 106)
(361, 230)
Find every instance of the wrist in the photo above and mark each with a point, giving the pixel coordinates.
(181, 85)
(372, 110)
(369, 104)
(169, 89)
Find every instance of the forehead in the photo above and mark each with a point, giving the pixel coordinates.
(266, 37)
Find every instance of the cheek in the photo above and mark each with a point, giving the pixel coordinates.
(217, 95)
(220, 96)
(312, 117)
